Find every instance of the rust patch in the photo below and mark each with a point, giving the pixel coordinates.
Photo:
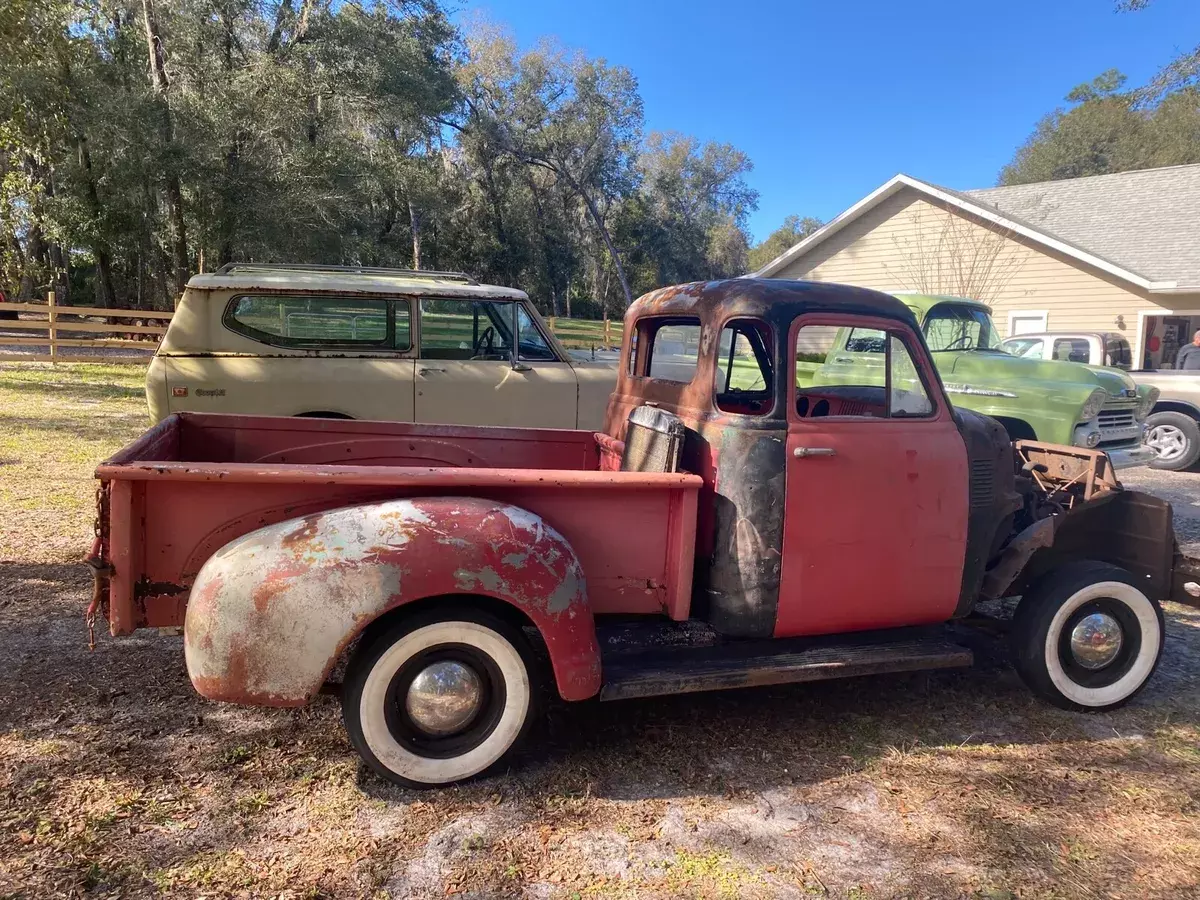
(147, 588)
(307, 530)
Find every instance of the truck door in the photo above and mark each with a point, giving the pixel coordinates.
(876, 518)
(465, 374)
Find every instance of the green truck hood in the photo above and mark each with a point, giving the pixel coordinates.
(994, 369)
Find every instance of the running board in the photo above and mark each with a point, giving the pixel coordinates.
(757, 663)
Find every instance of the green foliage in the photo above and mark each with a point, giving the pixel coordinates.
(793, 230)
(1109, 130)
(368, 132)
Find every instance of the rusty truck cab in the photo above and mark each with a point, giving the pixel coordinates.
(804, 483)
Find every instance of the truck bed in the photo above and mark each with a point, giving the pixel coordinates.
(195, 482)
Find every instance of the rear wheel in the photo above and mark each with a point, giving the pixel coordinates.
(1176, 437)
(440, 697)
(1086, 637)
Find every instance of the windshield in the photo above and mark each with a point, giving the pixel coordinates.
(954, 327)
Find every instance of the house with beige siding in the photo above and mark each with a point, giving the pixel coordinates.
(1117, 253)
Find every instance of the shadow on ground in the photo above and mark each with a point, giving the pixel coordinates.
(115, 775)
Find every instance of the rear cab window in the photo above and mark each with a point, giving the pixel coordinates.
(666, 349)
(321, 322)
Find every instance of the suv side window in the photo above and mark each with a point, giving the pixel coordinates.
(479, 330)
(857, 373)
(531, 343)
(321, 322)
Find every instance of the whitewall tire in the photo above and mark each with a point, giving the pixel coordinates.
(1087, 637)
(439, 697)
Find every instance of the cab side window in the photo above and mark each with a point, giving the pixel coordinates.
(1117, 352)
(321, 322)
(1072, 349)
(745, 379)
(859, 373)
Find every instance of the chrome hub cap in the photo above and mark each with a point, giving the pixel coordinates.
(444, 697)
(1168, 440)
(1096, 640)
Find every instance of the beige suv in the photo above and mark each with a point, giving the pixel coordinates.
(365, 343)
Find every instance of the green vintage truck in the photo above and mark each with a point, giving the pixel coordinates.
(1046, 400)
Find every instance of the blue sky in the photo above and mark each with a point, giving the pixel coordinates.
(830, 99)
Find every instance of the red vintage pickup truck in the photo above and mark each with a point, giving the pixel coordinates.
(728, 528)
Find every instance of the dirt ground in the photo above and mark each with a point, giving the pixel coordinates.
(117, 780)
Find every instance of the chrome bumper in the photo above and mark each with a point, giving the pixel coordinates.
(1141, 455)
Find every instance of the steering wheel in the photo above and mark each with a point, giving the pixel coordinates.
(962, 342)
(486, 341)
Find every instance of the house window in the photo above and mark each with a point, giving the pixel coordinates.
(1027, 321)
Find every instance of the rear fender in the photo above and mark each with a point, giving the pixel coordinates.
(270, 613)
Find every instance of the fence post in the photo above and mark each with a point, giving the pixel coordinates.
(53, 314)
(550, 322)
(607, 333)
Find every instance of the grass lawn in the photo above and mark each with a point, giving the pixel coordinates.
(56, 423)
(117, 780)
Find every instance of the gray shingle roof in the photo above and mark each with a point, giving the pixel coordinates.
(1146, 221)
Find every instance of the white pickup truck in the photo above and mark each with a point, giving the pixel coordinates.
(1172, 428)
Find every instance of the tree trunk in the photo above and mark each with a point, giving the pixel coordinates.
(108, 294)
(174, 193)
(233, 155)
(415, 220)
(544, 236)
(598, 221)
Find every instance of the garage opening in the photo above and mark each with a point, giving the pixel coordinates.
(1164, 337)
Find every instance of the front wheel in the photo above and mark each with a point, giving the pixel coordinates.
(1176, 438)
(1086, 637)
(440, 697)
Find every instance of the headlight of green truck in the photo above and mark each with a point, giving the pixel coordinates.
(1093, 405)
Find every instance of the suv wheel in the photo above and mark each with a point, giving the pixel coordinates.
(1176, 437)
(1085, 637)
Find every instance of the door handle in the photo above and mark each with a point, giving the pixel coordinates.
(802, 452)
(424, 370)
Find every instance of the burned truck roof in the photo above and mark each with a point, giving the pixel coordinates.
(767, 298)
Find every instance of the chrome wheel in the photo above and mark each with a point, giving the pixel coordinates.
(1096, 640)
(444, 697)
(1169, 442)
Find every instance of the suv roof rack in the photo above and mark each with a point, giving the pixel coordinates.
(346, 270)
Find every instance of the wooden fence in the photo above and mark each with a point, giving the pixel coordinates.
(62, 329)
(55, 320)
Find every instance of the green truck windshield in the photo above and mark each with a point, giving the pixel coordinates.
(954, 327)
